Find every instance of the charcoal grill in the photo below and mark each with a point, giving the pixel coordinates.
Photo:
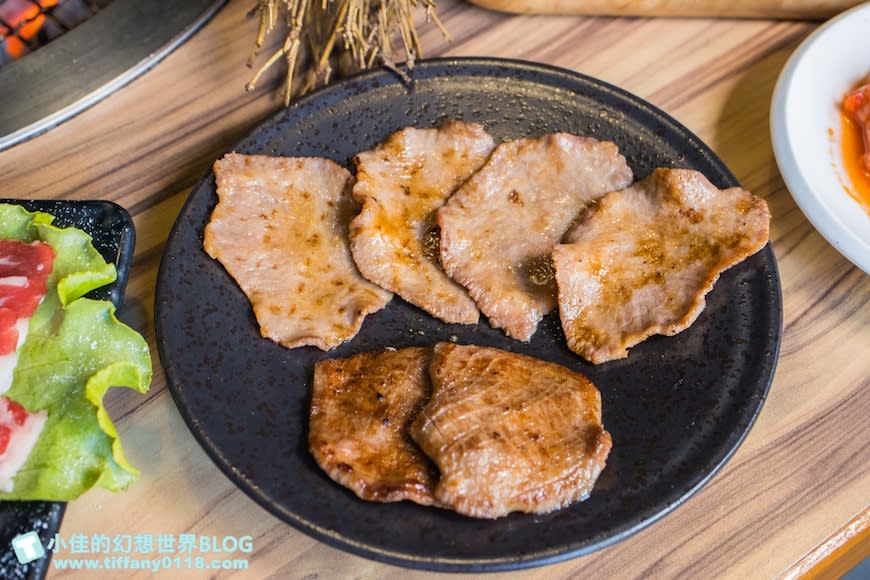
(84, 50)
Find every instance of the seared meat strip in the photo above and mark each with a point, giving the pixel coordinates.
(280, 230)
(510, 432)
(360, 410)
(643, 259)
(498, 230)
(401, 183)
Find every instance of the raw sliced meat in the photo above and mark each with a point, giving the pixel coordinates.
(499, 228)
(13, 338)
(643, 259)
(401, 183)
(8, 331)
(360, 410)
(19, 431)
(280, 229)
(24, 270)
(509, 432)
(34, 259)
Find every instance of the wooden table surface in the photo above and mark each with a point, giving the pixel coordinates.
(798, 479)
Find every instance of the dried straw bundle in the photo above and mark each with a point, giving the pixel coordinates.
(364, 31)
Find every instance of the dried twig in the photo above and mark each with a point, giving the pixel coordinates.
(365, 29)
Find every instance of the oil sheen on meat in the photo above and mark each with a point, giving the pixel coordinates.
(498, 230)
(509, 432)
(642, 260)
(401, 183)
(280, 230)
(358, 433)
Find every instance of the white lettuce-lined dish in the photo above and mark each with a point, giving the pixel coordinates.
(806, 134)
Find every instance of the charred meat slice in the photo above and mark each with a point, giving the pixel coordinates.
(509, 432)
(358, 433)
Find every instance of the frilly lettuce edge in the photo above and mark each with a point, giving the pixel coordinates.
(75, 351)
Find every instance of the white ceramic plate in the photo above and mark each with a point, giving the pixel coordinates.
(805, 129)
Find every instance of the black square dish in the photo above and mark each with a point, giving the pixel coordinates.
(114, 237)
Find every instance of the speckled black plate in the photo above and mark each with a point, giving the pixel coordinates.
(113, 235)
(677, 408)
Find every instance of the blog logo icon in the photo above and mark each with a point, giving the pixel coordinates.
(27, 547)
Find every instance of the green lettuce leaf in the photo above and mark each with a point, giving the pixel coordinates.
(78, 266)
(76, 349)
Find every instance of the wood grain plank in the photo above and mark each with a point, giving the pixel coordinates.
(705, 8)
(797, 479)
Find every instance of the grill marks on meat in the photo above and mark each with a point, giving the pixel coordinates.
(401, 183)
(509, 432)
(479, 430)
(506, 431)
(360, 410)
(499, 229)
(280, 230)
(643, 259)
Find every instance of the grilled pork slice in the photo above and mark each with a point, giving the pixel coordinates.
(401, 183)
(499, 228)
(643, 259)
(509, 432)
(360, 411)
(280, 230)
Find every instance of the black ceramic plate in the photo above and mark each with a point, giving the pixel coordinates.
(114, 237)
(677, 408)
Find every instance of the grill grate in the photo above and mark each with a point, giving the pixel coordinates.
(26, 25)
(72, 72)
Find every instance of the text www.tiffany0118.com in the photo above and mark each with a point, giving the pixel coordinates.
(165, 563)
(141, 551)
